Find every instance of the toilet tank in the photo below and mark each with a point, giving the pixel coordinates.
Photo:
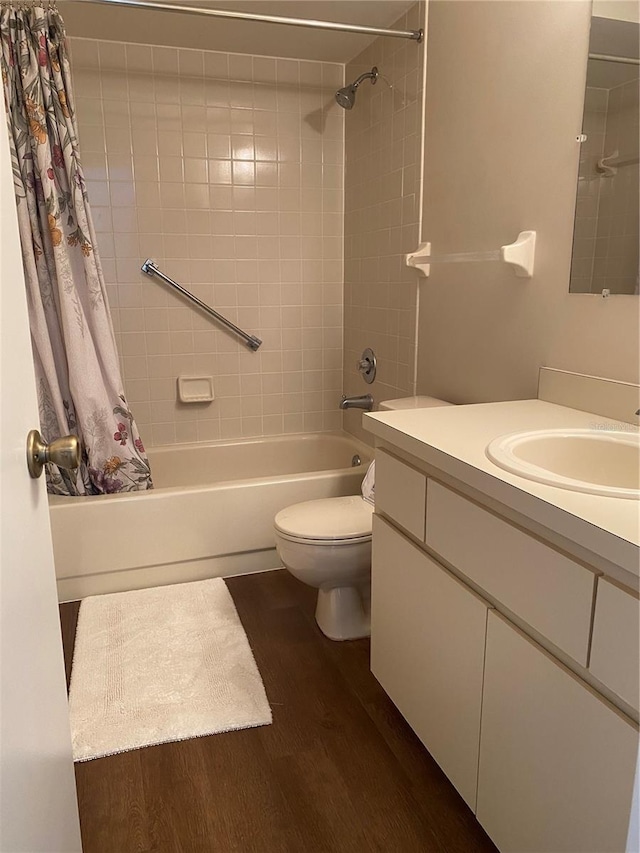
(411, 403)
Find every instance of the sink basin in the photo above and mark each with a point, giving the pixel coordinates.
(584, 460)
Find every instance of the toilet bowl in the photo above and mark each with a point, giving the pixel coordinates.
(327, 544)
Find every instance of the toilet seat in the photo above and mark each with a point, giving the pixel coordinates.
(330, 521)
(307, 540)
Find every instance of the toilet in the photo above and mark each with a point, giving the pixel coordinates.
(327, 544)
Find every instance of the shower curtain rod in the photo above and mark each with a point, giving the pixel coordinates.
(624, 60)
(415, 35)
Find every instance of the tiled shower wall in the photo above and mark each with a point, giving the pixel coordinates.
(382, 206)
(616, 260)
(605, 245)
(227, 170)
(594, 125)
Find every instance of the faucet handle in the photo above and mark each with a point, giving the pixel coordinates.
(367, 365)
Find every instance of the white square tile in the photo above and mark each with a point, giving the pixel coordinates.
(194, 180)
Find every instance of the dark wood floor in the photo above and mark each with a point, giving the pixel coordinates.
(339, 769)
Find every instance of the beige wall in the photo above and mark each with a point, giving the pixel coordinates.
(621, 10)
(505, 83)
(383, 135)
(227, 170)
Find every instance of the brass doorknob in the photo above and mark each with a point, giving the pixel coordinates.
(63, 452)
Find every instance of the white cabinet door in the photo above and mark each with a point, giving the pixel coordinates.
(401, 493)
(427, 650)
(544, 587)
(615, 656)
(557, 762)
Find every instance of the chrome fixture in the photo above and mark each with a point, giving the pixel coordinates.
(63, 452)
(355, 461)
(414, 35)
(151, 269)
(607, 57)
(606, 166)
(368, 365)
(364, 401)
(346, 97)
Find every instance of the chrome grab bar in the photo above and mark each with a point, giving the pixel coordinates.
(150, 268)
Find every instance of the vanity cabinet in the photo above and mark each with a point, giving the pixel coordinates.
(401, 493)
(549, 591)
(480, 634)
(427, 651)
(557, 761)
(616, 629)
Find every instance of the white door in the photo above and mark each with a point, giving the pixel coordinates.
(38, 808)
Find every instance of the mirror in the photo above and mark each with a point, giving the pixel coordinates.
(605, 240)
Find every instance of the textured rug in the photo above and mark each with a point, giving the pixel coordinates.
(159, 665)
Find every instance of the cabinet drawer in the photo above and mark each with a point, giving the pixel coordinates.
(400, 493)
(545, 588)
(557, 763)
(614, 650)
(427, 651)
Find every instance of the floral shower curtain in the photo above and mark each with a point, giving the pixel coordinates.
(79, 386)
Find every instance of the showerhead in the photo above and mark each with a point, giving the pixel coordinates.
(346, 97)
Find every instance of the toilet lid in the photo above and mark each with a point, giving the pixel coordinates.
(330, 518)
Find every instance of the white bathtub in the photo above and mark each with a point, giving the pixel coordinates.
(210, 515)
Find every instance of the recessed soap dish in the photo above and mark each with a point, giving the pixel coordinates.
(195, 389)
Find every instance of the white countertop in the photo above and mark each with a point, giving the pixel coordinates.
(454, 440)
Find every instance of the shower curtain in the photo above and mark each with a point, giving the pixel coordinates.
(80, 390)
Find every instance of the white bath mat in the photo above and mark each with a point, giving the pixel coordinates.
(159, 665)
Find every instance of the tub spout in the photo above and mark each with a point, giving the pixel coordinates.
(364, 401)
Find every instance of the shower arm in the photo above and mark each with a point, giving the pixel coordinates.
(368, 75)
(151, 269)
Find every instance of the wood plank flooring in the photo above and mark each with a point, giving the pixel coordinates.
(339, 769)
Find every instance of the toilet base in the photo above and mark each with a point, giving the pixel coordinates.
(344, 612)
